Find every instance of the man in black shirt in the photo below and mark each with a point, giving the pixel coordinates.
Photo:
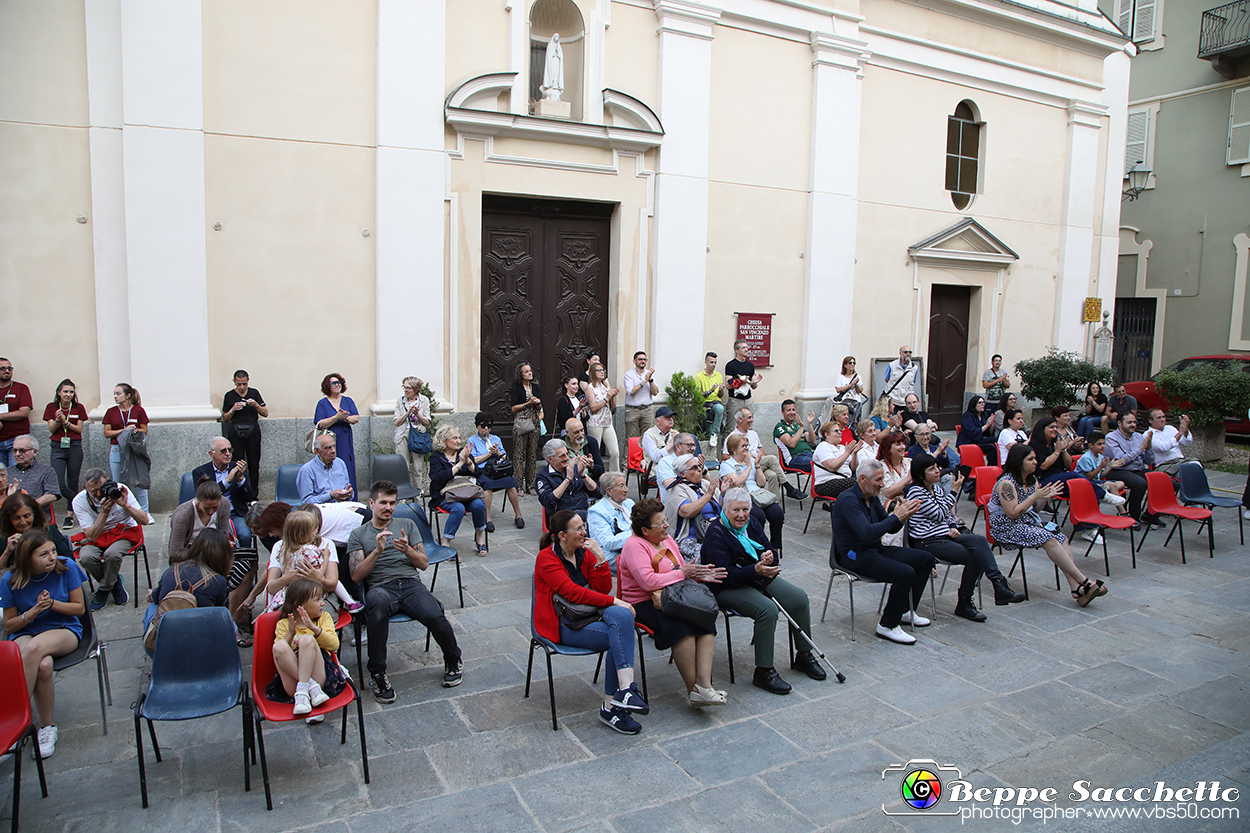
(740, 376)
(240, 419)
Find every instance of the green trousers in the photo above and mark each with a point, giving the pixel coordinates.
(752, 603)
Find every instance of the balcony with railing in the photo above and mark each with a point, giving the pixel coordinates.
(1225, 37)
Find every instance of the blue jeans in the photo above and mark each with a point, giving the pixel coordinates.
(801, 461)
(241, 530)
(6, 451)
(615, 634)
(1093, 423)
(115, 466)
(455, 512)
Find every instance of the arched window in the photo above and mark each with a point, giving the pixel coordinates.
(963, 154)
(552, 17)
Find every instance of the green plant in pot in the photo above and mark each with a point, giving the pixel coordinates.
(1208, 394)
(687, 404)
(1058, 377)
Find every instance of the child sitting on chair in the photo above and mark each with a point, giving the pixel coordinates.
(303, 651)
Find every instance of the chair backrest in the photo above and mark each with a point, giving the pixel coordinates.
(986, 477)
(1083, 501)
(989, 536)
(1160, 494)
(195, 647)
(811, 481)
(15, 714)
(416, 514)
(263, 667)
(633, 459)
(186, 489)
(393, 468)
(972, 456)
(1194, 487)
(285, 489)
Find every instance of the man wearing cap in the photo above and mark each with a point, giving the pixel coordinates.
(657, 442)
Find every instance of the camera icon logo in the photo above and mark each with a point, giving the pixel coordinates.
(922, 786)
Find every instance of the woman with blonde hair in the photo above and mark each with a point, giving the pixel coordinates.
(412, 413)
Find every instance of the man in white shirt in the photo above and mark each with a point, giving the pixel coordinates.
(774, 476)
(640, 391)
(1167, 441)
(110, 523)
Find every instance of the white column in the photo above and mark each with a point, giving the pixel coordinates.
(518, 52)
(681, 183)
(1115, 75)
(108, 202)
(1076, 235)
(832, 210)
(410, 186)
(163, 181)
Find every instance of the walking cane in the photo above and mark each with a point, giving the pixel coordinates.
(841, 677)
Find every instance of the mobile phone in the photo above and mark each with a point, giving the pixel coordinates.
(1050, 526)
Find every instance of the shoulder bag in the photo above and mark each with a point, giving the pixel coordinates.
(575, 615)
(463, 490)
(419, 442)
(310, 438)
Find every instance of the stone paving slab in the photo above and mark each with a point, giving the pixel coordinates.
(1149, 682)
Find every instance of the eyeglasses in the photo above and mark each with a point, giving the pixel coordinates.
(336, 384)
(23, 451)
(905, 352)
(6, 367)
(661, 525)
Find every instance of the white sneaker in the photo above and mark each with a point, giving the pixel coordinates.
(302, 704)
(315, 719)
(315, 695)
(1112, 500)
(896, 634)
(1092, 535)
(1246, 514)
(916, 620)
(47, 742)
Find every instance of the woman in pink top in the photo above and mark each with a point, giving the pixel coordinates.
(649, 562)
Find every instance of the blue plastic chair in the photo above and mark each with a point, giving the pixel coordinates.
(1195, 490)
(393, 468)
(285, 490)
(90, 647)
(195, 673)
(186, 489)
(551, 649)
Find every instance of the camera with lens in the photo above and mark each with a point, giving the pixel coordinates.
(109, 490)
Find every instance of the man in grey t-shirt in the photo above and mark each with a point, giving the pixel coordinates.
(386, 556)
(995, 381)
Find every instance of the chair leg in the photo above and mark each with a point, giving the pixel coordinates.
(17, 778)
(360, 722)
(1180, 529)
(156, 747)
(642, 667)
(143, 776)
(343, 731)
(551, 690)
(529, 669)
(850, 590)
(1172, 532)
(1132, 546)
(459, 583)
(102, 657)
(99, 673)
(434, 576)
(1211, 536)
(828, 590)
(360, 666)
(729, 646)
(247, 742)
(810, 509)
(264, 762)
(881, 604)
(945, 576)
(1106, 560)
(598, 668)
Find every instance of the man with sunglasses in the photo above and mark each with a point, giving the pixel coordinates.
(900, 377)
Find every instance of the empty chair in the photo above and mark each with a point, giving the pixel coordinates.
(17, 722)
(1084, 505)
(984, 477)
(195, 673)
(285, 490)
(186, 488)
(1161, 500)
(90, 647)
(1196, 491)
(393, 468)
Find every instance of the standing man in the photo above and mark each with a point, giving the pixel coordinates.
(386, 556)
(241, 411)
(1167, 441)
(712, 386)
(900, 377)
(740, 376)
(795, 441)
(1132, 453)
(640, 391)
(15, 405)
(995, 381)
(231, 475)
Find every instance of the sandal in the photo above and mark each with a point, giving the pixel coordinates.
(1088, 591)
(244, 640)
(482, 550)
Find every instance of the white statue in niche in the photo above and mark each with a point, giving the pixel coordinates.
(553, 70)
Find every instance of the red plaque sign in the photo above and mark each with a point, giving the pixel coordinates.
(756, 329)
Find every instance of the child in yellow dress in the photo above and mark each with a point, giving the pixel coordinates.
(303, 650)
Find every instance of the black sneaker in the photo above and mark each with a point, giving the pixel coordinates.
(630, 699)
(99, 600)
(120, 596)
(794, 494)
(382, 691)
(490, 526)
(619, 720)
(455, 673)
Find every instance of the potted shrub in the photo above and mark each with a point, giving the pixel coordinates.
(687, 404)
(1059, 378)
(1207, 394)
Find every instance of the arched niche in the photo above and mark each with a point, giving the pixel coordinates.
(547, 18)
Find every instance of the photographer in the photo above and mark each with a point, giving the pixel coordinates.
(110, 518)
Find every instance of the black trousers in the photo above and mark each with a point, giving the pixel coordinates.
(1136, 489)
(973, 551)
(247, 449)
(411, 597)
(906, 570)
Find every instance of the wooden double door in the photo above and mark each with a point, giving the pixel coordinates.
(544, 296)
(947, 358)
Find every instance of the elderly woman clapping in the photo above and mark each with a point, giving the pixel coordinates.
(686, 503)
(752, 587)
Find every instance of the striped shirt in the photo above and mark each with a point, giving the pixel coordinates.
(934, 518)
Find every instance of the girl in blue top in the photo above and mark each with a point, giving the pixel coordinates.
(42, 599)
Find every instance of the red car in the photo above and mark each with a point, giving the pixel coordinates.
(1148, 397)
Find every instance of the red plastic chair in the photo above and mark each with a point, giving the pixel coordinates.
(1084, 505)
(798, 477)
(1161, 500)
(264, 670)
(811, 486)
(985, 477)
(636, 464)
(80, 538)
(989, 536)
(17, 724)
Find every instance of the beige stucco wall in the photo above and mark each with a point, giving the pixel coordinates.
(631, 62)
(477, 39)
(46, 261)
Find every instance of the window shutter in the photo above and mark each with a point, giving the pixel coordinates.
(1239, 128)
(1135, 147)
(1126, 17)
(1144, 21)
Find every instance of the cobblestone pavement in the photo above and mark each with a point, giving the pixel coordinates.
(1146, 684)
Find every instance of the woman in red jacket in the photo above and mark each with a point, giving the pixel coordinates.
(573, 565)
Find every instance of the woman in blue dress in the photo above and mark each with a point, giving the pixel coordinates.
(338, 414)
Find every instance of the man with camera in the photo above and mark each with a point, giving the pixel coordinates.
(111, 521)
